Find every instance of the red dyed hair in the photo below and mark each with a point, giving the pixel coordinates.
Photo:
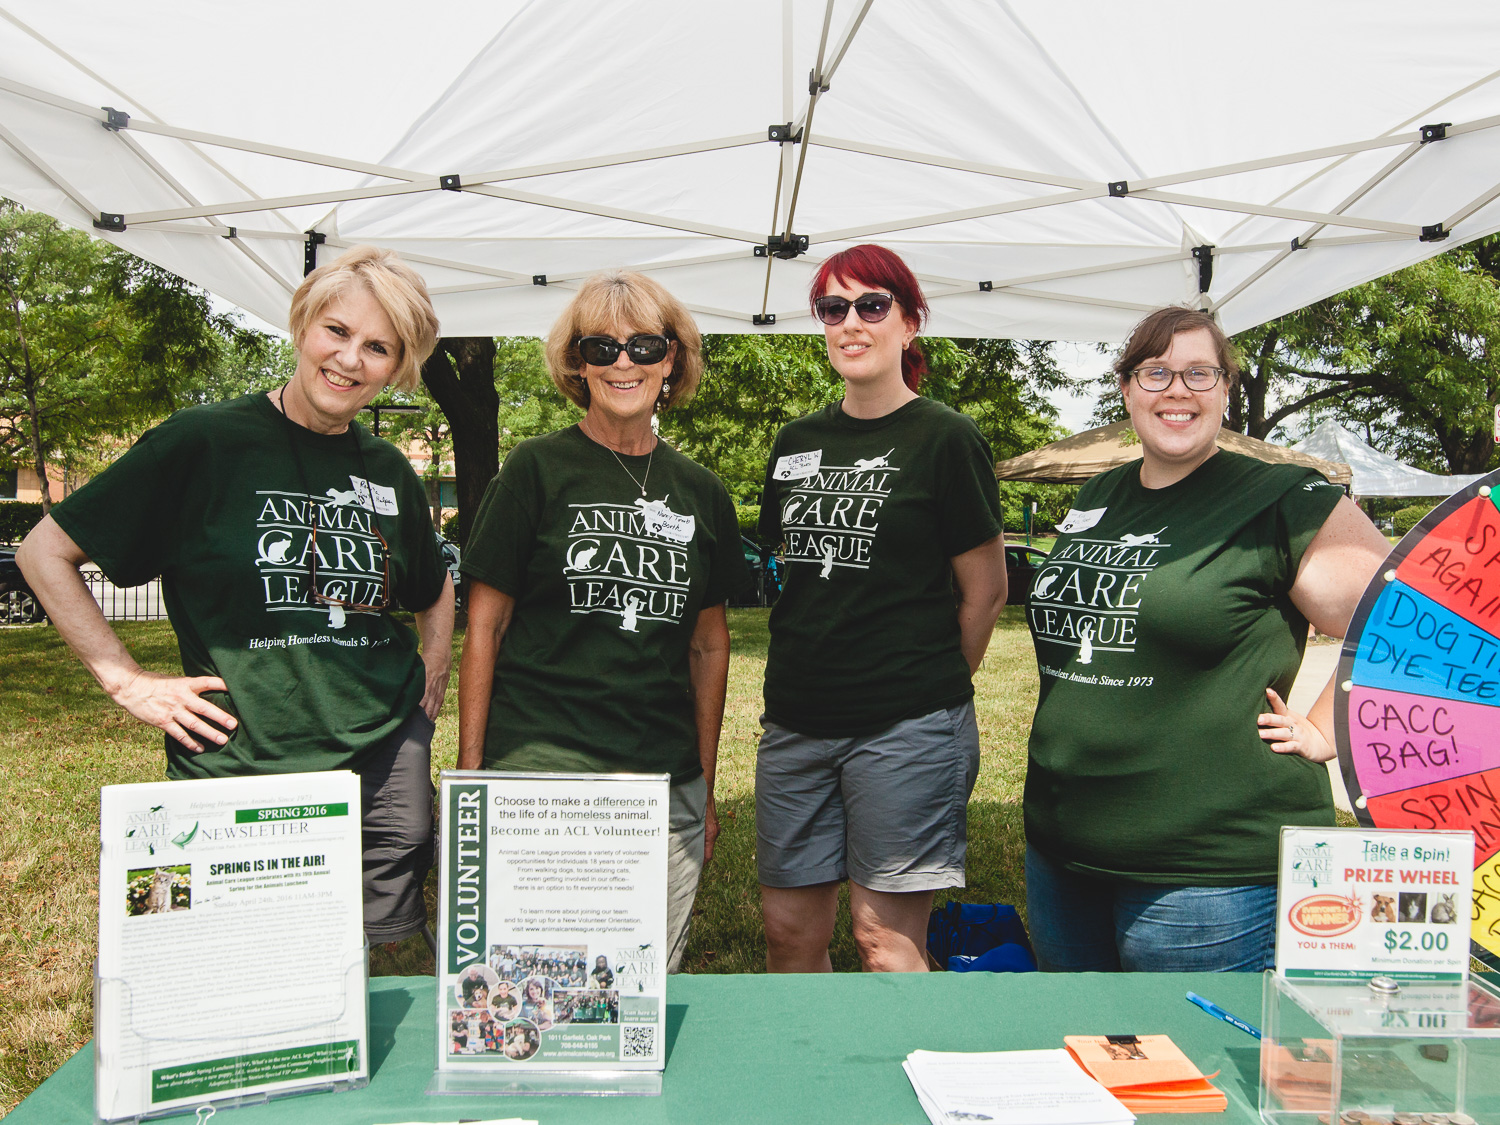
(880, 268)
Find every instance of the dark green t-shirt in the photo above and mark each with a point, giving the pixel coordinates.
(593, 673)
(221, 501)
(1159, 619)
(865, 633)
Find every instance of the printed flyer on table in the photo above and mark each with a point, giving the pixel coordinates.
(553, 922)
(231, 940)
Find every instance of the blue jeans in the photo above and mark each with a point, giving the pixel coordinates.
(1084, 924)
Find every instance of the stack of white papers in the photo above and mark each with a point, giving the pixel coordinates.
(1010, 1088)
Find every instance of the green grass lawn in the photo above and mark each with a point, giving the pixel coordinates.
(61, 739)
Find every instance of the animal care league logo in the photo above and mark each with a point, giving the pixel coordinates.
(1088, 594)
(332, 536)
(629, 561)
(831, 516)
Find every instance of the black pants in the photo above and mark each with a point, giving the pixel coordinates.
(395, 786)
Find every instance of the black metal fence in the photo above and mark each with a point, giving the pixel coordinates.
(137, 603)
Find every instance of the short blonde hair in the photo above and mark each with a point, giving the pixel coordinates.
(615, 301)
(396, 287)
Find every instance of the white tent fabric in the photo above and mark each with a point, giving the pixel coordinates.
(1051, 169)
(1377, 473)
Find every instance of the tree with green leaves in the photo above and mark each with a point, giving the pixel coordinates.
(1411, 360)
(95, 343)
(493, 392)
(754, 385)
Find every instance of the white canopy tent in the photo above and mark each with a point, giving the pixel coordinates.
(1377, 473)
(1051, 169)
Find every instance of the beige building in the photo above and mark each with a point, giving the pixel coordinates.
(22, 483)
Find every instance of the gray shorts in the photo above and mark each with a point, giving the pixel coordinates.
(887, 810)
(686, 826)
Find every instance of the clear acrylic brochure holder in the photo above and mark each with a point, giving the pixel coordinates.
(642, 1014)
(251, 1059)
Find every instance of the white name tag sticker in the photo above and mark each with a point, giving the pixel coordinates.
(798, 466)
(374, 497)
(662, 521)
(1081, 520)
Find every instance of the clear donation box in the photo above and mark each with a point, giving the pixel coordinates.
(1380, 1052)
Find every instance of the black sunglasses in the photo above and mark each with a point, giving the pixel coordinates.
(602, 351)
(872, 308)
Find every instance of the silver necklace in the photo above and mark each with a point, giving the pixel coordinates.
(641, 484)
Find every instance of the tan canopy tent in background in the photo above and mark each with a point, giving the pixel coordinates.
(1073, 460)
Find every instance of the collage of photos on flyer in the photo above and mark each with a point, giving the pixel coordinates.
(505, 1007)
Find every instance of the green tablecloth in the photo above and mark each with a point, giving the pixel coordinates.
(784, 1049)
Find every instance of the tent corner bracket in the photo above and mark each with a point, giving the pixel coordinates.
(1434, 233)
(1204, 256)
(760, 320)
(110, 222)
(787, 134)
(315, 238)
(786, 246)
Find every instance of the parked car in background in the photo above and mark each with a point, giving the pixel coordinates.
(765, 569)
(18, 605)
(449, 550)
(1021, 565)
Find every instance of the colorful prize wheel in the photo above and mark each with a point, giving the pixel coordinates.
(1418, 709)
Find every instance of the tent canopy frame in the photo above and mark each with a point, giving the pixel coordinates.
(796, 143)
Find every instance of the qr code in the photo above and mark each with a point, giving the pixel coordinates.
(640, 1043)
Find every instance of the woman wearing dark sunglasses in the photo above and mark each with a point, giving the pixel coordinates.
(599, 565)
(887, 505)
(283, 532)
(1169, 620)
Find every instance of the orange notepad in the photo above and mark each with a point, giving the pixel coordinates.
(1147, 1073)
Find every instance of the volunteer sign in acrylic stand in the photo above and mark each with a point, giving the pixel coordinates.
(1418, 712)
(232, 962)
(552, 955)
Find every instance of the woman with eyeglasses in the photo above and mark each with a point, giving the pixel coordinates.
(1169, 623)
(283, 534)
(888, 510)
(599, 565)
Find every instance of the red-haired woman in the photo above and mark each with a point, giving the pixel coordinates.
(887, 507)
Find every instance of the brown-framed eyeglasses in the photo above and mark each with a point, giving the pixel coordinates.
(317, 597)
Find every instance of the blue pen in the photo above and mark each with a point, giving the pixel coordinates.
(1219, 1013)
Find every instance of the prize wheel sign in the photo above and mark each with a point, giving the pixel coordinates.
(1418, 705)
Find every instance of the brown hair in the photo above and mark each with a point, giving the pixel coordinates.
(1153, 336)
(396, 287)
(615, 301)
